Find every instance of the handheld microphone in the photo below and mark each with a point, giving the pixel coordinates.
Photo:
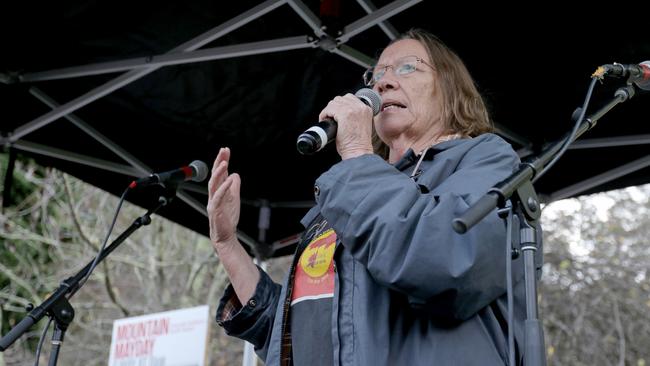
(316, 137)
(197, 171)
(639, 74)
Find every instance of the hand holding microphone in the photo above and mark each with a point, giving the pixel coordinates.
(324, 132)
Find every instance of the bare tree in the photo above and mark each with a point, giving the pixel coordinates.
(57, 227)
(595, 295)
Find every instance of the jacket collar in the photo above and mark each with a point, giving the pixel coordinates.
(410, 157)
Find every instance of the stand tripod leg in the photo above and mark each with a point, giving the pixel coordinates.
(57, 339)
(63, 314)
(534, 349)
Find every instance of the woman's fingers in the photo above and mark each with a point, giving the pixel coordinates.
(235, 185)
(219, 175)
(219, 170)
(221, 191)
(223, 198)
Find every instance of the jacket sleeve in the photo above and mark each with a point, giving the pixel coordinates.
(253, 321)
(404, 238)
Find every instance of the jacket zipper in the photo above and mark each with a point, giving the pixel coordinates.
(285, 344)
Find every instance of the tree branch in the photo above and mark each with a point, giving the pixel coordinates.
(111, 294)
(20, 282)
(73, 214)
(621, 334)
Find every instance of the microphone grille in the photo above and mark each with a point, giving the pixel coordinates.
(644, 82)
(200, 169)
(371, 98)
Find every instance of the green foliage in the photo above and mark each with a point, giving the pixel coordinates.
(23, 184)
(21, 250)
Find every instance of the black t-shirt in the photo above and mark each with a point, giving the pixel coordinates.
(311, 301)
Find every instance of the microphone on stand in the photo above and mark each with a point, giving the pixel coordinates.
(197, 171)
(324, 132)
(639, 74)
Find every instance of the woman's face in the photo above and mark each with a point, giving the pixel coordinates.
(411, 103)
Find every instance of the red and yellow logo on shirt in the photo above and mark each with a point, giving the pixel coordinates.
(314, 278)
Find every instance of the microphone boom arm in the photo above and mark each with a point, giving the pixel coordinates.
(502, 191)
(518, 188)
(57, 305)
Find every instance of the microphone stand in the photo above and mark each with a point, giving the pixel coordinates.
(518, 188)
(57, 307)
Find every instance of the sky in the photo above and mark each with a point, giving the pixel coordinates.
(602, 201)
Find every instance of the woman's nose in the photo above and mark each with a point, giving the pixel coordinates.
(388, 81)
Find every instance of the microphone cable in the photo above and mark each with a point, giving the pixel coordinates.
(509, 289)
(101, 249)
(40, 341)
(571, 136)
(90, 270)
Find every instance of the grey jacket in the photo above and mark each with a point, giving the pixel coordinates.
(408, 289)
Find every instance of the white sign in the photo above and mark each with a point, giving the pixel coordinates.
(170, 338)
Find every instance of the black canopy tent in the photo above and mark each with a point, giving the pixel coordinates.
(108, 91)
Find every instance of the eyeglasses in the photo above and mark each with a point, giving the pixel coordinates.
(403, 66)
